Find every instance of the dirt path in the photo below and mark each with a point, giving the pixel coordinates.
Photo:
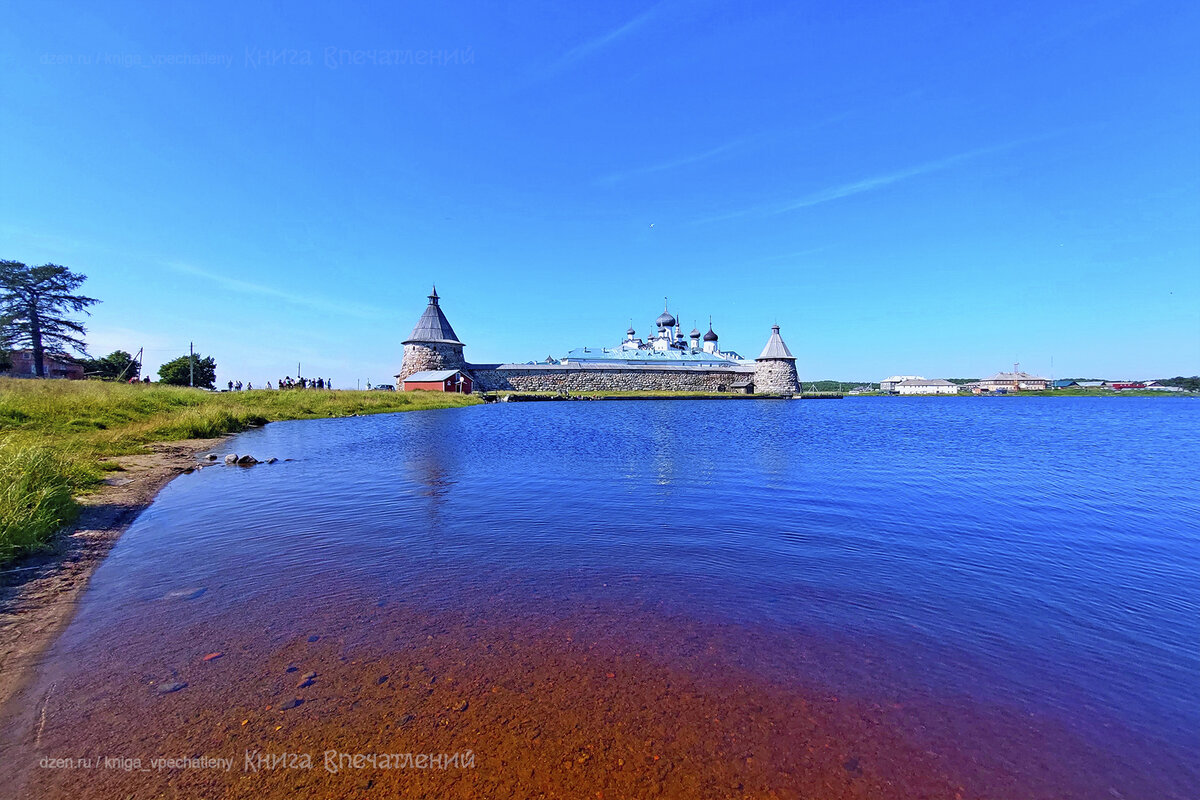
(38, 594)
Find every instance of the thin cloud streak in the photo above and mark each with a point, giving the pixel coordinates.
(245, 287)
(840, 191)
(736, 144)
(798, 254)
(617, 177)
(586, 49)
(870, 184)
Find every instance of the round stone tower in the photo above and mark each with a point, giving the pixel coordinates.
(775, 369)
(433, 344)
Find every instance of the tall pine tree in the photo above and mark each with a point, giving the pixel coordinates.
(35, 308)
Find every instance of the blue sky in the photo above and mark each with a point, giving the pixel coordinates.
(937, 188)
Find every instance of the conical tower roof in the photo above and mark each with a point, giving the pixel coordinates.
(433, 325)
(775, 348)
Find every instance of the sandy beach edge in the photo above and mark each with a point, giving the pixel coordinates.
(40, 593)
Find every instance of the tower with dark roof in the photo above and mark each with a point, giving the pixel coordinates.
(710, 339)
(433, 344)
(775, 368)
(665, 320)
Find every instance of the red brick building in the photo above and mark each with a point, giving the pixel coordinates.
(442, 380)
(23, 366)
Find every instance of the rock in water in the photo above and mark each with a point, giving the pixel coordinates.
(231, 458)
(211, 457)
(271, 460)
(186, 593)
(247, 461)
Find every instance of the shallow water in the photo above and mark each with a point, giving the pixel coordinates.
(1005, 588)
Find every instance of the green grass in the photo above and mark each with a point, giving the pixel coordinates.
(56, 436)
(37, 490)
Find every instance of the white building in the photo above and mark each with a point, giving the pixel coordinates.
(889, 384)
(1012, 382)
(922, 386)
(667, 345)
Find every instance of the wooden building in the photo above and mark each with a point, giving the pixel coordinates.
(442, 380)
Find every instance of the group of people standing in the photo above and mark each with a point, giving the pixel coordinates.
(303, 383)
(284, 383)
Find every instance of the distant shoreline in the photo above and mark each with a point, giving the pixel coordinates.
(516, 397)
(1046, 393)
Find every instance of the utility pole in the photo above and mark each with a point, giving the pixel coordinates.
(138, 359)
(191, 364)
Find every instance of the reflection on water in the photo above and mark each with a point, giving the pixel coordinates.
(1011, 573)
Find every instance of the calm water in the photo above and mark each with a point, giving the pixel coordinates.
(1036, 555)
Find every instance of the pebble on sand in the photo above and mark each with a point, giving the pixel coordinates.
(286, 704)
(167, 688)
(212, 656)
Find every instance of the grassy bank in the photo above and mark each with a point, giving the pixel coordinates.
(56, 435)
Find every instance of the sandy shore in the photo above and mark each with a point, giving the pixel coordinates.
(39, 594)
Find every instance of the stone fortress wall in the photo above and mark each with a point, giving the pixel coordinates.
(433, 345)
(604, 378)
